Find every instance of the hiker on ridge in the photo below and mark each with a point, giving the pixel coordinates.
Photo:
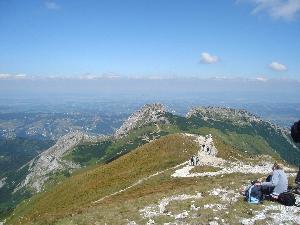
(278, 180)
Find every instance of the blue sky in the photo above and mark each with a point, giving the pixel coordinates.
(157, 38)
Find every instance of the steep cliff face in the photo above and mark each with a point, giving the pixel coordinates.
(154, 113)
(51, 161)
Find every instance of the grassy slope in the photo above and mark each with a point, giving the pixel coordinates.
(108, 150)
(113, 210)
(71, 201)
(247, 140)
(77, 193)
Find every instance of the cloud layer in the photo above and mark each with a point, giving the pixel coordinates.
(208, 58)
(277, 9)
(7, 76)
(276, 66)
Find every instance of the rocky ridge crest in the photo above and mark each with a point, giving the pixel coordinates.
(51, 161)
(154, 113)
(236, 116)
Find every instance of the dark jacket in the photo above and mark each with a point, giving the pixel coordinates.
(253, 191)
(297, 180)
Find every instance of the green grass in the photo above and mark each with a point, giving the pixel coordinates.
(88, 154)
(115, 164)
(77, 193)
(114, 211)
(71, 201)
(106, 151)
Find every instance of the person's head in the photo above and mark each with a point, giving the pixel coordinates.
(277, 166)
(256, 182)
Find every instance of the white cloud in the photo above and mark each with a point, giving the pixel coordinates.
(277, 9)
(52, 5)
(6, 76)
(277, 66)
(208, 58)
(263, 79)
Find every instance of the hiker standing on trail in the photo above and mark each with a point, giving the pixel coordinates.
(278, 180)
(197, 160)
(192, 161)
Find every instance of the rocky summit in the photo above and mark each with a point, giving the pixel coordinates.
(224, 114)
(154, 113)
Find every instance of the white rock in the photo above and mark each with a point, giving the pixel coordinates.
(215, 207)
(2, 183)
(276, 214)
(131, 223)
(182, 215)
(160, 209)
(150, 222)
(194, 208)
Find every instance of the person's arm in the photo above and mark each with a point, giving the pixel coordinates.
(274, 180)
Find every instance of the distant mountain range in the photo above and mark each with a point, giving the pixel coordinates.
(86, 178)
(51, 126)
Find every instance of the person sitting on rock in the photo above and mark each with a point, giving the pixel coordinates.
(278, 181)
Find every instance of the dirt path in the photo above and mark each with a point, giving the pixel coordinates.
(139, 182)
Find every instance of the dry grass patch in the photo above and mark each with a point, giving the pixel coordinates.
(77, 193)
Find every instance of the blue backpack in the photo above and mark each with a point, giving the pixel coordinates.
(254, 194)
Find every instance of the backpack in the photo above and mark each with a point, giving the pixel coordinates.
(287, 199)
(254, 194)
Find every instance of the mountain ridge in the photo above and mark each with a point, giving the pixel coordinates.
(52, 159)
(251, 137)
